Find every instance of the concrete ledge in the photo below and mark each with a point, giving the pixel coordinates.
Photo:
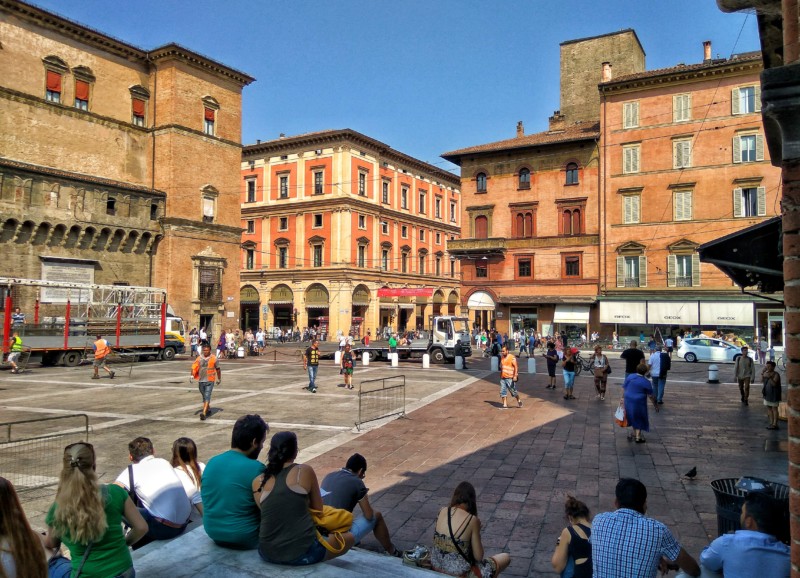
(195, 554)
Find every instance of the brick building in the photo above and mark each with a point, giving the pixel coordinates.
(684, 163)
(530, 247)
(332, 219)
(119, 165)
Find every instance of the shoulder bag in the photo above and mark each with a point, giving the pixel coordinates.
(132, 489)
(474, 569)
(333, 522)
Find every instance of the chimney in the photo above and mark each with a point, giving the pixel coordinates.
(520, 129)
(707, 51)
(283, 135)
(606, 72)
(258, 141)
(558, 122)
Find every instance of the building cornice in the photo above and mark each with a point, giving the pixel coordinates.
(681, 75)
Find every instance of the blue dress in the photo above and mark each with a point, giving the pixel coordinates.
(637, 388)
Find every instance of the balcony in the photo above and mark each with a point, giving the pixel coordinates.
(683, 281)
(502, 244)
(631, 281)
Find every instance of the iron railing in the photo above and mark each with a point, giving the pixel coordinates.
(381, 402)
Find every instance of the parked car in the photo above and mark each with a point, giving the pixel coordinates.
(710, 349)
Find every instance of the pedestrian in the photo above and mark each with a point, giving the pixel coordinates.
(633, 356)
(560, 347)
(342, 340)
(393, 343)
(348, 363)
(654, 365)
(208, 373)
(552, 361)
(641, 337)
(614, 340)
(194, 342)
(600, 368)
(771, 392)
(573, 548)
(763, 347)
(670, 345)
(367, 339)
(744, 370)
(458, 351)
(18, 317)
(203, 336)
(509, 373)
(531, 343)
(222, 345)
(311, 364)
(523, 345)
(101, 352)
(651, 345)
(637, 389)
(495, 350)
(666, 366)
(16, 351)
(568, 371)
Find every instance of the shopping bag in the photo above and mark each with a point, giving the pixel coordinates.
(619, 416)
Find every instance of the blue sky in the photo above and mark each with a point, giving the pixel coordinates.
(423, 76)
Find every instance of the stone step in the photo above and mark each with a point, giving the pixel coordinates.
(195, 554)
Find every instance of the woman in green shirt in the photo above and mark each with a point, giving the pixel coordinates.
(88, 517)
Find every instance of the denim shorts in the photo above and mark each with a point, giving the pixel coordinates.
(314, 555)
(361, 527)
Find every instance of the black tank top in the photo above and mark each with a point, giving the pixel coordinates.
(580, 548)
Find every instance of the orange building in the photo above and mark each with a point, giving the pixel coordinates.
(683, 163)
(331, 218)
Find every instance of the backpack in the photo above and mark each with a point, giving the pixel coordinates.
(666, 362)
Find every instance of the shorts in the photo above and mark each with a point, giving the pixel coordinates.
(361, 527)
(13, 356)
(100, 362)
(314, 555)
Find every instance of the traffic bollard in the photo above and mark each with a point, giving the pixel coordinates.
(426, 361)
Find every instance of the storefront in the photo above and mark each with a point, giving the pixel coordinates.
(361, 299)
(572, 320)
(524, 319)
(627, 318)
(249, 303)
(281, 305)
(481, 306)
(317, 309)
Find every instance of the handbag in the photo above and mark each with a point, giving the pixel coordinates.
(474, 569)
(334, 521)
(620, 418)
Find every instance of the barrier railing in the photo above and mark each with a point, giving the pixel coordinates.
(380, 402)
(31, 450)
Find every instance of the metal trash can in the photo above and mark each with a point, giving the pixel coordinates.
(730, 500)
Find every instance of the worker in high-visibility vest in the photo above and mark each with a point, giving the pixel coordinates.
(509, 372)
(101, 352)
(208, 374)
(16, 351)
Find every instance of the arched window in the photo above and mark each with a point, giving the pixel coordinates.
(523, 222)
(524, 179)
(572, 174)
(520, 222)
(481, 227)
(571, 222)
(528, 225)
(480, 178)
(566, 218)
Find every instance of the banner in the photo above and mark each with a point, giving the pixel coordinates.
(406, 292)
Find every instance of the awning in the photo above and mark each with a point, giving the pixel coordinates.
(723, 314)
(360, 303)
(316, 306)
(672, 313)
(387, 306)
(545, 299)
(406, 305)
(280, 302)
(631, 312)
(481, 301)
(571, 314)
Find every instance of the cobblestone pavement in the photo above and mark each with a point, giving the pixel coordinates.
(522, 462)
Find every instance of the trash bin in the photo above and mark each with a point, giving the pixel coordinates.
(730, 500)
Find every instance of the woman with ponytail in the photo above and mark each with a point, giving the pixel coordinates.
(21, 551)
(87, 517)
(285, 493)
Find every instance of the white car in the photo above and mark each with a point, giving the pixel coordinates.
(709, 349)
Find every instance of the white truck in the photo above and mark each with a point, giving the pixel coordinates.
(439, 342)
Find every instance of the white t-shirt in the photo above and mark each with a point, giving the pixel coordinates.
(668, 342)
(655, 364)
(203, 335)
(260, 336)
(192, 491)
(7, 560)
(159, 488)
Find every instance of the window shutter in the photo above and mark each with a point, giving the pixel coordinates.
(138, 107)
(635, 113)
(687, 153)
(735, 101)
(635, 160)
(208, 207)
(642, 271)
(759, 147)
(758, 97)
(737, 203)
(676, 108)
(677, 206)
(209, 114)
(620, 271)
(626, 160)
(687, 205)
(635, 205)
(737, 149)
(762, 201)
(53, 81)
(695, 270)
(81, 90)
(626, 112)
(671, 266)
(687, 107)
(627, 209)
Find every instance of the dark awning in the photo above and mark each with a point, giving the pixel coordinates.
(750, 257)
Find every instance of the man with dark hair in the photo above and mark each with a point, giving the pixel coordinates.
(633, 356)
(754, 550)
(230, 515)
(101, 352)
(311, 364)
(344, 489)
(152, 480)
(627, 544)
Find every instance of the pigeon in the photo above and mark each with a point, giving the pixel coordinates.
(691, 474)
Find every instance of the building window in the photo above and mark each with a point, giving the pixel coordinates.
(422, 207)
(317, 255)
(630, 158)
(362, 256)
(572, 266)
(524, 268)
(251, 190)
(630, 115)
(750, 202)
(404, 198)
(250, 259)
(251, 227)
(385, 227)
(437, 207)
(681, 107)
(82, 94)
(682, 153)
(524, 179)
(746, 99)
(452, 267)
(481, 271)
(571, 222)
(317, 224)
(209, 208)
(404, 262)
(153, 211)
(283, 257)
(481, 227)
(422, 234)
(362, 184)
(421, 264)
(572, 174)
(384, 259)
(111, 206)
(438, 238)
(480, 179)
(53, 88)
(683, 270)
(362, 222)
(283, 186)
(385, 193)
(748, 148)
(138, 110)
(283, 223)
(682, 205)
(631, 271)
(318, 182)
(523, 224)
(209, 120)
(438, 266)
(453, 211)
(631, 205)
(404, 231)
(210, 288)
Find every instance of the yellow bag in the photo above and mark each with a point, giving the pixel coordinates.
(335, 521)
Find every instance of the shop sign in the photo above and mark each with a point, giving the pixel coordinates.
(405, 292)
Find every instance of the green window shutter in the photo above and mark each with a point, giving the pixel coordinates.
(642, 271)
(620, 271)
(671, 266)
(738, 210)
(735, 101)
(758, 98)
(759, 147)
(695, 270)
(761, 201)
(737, 149)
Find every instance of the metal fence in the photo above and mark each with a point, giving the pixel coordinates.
(379, 402)
(31, 450)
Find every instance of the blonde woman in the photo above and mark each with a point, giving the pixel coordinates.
(21, 552)
(87, 517)
(189, 470)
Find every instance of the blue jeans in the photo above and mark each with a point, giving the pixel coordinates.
(206, 387)
(158, 531)
(569, 378)
(361, 527)
(658, 387)
(312, 376)
(314, 555)
(506, 383)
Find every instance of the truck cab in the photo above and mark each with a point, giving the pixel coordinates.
(446, 330)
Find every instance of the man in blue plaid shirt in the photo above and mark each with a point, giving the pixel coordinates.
(626, 544)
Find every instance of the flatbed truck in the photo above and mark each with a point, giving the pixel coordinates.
(438, 342)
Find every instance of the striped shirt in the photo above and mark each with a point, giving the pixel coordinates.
(626, 544)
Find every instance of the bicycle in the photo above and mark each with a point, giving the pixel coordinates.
(581, 364)
(780, 362)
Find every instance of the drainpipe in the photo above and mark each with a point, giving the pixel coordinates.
(153, 159)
